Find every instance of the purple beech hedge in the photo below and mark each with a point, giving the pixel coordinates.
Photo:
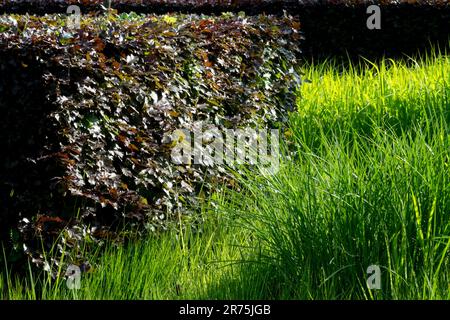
(200, 6)
(85, 113)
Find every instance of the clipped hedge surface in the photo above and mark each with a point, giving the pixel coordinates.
(85, 113)
(251, 7)
(331, 27)
(151, 6)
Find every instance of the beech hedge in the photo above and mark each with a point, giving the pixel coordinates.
(332, 28)
(85, 113)
(151, 6)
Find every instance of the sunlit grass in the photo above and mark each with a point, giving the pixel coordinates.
(367, 182)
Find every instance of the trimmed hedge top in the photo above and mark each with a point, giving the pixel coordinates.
(331, 27)
(197, 6)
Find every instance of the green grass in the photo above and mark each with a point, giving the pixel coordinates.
(174, 265)
(367, 182)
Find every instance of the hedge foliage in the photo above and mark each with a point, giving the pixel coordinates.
(199, 6)
(85, 112)
(331, 27)
(154, 6)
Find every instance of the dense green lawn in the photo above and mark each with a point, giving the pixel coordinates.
(367, 182)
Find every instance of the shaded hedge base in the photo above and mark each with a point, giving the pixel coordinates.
(87, 118)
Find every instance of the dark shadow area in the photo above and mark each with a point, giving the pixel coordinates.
(25, 173)
(341, 32)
